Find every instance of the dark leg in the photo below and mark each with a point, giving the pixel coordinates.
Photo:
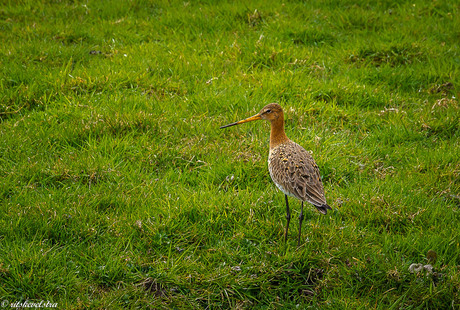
(300, 223)
(288, 218)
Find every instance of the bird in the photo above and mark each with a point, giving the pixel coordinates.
(291, 167)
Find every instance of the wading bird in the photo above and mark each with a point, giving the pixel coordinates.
(291, 167)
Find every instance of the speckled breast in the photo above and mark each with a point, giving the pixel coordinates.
(280, 166)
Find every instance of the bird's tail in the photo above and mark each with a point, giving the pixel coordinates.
(323, 209)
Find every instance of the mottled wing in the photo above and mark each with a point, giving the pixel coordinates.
(296, 174)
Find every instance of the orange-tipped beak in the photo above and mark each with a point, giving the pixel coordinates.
(249, 119)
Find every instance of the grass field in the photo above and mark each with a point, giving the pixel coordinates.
(119, 190)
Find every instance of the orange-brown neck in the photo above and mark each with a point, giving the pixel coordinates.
(277, 134)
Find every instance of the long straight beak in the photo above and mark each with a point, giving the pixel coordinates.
(249, 119)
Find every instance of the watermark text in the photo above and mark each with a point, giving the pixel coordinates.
(28, 304)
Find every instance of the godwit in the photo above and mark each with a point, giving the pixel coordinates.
(291, 167)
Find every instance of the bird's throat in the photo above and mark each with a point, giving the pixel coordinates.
(277, 134)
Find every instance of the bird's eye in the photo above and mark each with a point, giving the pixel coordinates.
(268, 111)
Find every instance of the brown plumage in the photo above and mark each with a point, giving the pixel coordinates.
(291, 167)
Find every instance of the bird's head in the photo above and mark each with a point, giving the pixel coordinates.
(270, 112)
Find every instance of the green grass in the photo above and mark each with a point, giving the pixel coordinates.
(119, 190)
